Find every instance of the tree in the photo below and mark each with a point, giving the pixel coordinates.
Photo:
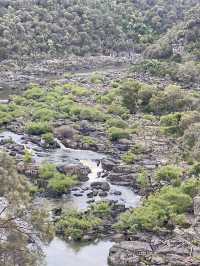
(22, 227)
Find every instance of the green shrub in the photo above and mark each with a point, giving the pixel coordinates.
(118, 133)
(61, 183)
(160, 210)
(88, 140)
(117, 109)
(96, 78)
(172, 99)
(77, 90)
(101, 209)
(143, 180)
(28, 156)
(76, 225)
(47, 171)
(191, 187)
(116, 122)
(129, 157)
(38, 128)
(91, 114)
(109, 96)
(195, 169)
(5, 118)
(129, 93)
(169, 173)
(34, 92)
(44, 114)
(170, 123)
(48, 138)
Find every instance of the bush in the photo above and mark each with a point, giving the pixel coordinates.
(47, 171)
(143, 180)
(96, 78)
(61, 183)
(28, 156)
(129, 157)
(101, 209)
(48, 138)
(5, 118)
(77, 90)
(116, 122)
(169, 173)
(118, 133)
(129, 92)
(34, 93)
(152, 66)
(117, 109)
(44, 114)
(76, 225)
(191, 136)
(191, 187)
(195, 169)
(170, 123)
(172, 99)
(162, 209)
(38, 128)
(88, 140)
(91, 114)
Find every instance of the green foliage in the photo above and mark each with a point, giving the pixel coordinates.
(143, 180)
(15, 189)
(88, 140)
(154, 67)
(129, 92)
(47, 171)
(34, 93)
(169, 173)
(116, 122)
(129, 157)
(44, 114)
(57, 182)
(61, 183)
(96, 78)
(118, 133)
(38, 128)
(101, 209)
(5, 118)
(191, 187)
(159, 210)
(117, 109)
(48, 138)
(28, 156)
(77, 90)
(75, 224)
(170, 123)
(172, 99)
(195, 169)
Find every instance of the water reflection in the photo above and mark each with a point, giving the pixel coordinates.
(60, 253)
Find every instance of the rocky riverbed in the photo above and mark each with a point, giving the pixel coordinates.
(83, 142)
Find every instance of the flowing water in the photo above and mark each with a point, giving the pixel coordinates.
(60, 253)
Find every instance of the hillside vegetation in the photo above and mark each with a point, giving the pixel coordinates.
(30, 28)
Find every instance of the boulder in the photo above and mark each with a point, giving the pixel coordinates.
(100, 185)
(108, 164)
(79, 170)
(128, 253)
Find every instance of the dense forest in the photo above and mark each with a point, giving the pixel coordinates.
(30, 28)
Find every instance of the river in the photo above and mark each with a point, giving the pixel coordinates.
(60, 253)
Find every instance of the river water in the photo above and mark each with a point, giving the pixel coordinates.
(58, 252)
